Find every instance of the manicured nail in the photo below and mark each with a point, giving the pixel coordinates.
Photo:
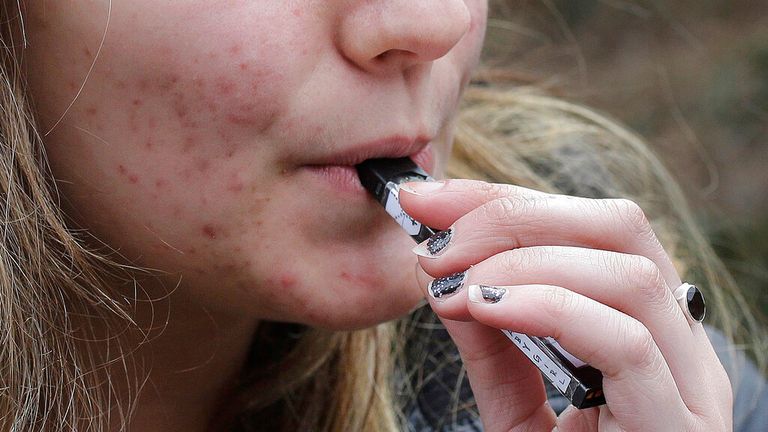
(447, 285)
(485, 293)
(405, 187)
(422, 188)
(433, 246)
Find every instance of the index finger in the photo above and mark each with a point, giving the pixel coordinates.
(457, 197)
(546, 219)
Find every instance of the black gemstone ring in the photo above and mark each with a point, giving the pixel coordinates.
(691, 300)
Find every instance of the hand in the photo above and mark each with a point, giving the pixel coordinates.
(591, 274)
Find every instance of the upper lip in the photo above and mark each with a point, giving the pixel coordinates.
(390, 147)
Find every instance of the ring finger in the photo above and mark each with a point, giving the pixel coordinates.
(629, 283)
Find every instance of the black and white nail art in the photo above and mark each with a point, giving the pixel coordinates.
(485, 294)
(492, 294)
(435, 244)
(439, 241)
(447, 285)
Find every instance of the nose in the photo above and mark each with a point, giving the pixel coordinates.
(392, 35)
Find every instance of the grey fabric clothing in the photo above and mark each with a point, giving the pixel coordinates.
(444, 377)
(750, 393)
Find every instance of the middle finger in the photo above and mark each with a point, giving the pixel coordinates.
(520, 220)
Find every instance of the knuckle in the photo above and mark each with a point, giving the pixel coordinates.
(560, 302)
(648, 278)
(640, 348)
(638, 272)
(515, 261)
(502, 210)
(490, 190)
(632, 211)
(512, 210)
(500, 215)
(522, 260)
(632, 216)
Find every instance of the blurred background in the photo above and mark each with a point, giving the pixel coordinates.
(691, 76)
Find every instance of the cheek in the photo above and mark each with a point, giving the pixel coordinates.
(204, 122)
(225, 92)
(166, 149)
(191, 123)
(212, 99)
(189, 142)
(185, 72)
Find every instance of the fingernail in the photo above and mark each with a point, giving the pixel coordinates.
(448, 285)
(422, 188)
(434, 245)
(485, 293)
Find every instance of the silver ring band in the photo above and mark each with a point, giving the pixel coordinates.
(691, 301)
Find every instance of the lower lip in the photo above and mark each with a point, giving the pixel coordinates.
(344, 178)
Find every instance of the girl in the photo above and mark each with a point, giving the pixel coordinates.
(187, 247)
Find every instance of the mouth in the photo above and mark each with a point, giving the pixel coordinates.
(339, 170)
(390, 147)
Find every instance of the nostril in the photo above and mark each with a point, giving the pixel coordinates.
(390, 55)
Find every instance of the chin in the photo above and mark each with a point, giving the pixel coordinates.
(346, 321)
(352, 304)
(346, 318)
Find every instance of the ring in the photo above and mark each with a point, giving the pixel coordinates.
(691, 301)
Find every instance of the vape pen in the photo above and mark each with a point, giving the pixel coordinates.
(382, 178)
(579, 382)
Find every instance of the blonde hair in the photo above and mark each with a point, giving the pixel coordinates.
(521, 136)
(48, 377)
(53, 284)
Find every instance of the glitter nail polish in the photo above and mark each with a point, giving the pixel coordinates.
(492, 294)
(435, 244)
(439, 241)
(447, 285)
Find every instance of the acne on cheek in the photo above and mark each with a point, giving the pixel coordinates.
(197, 117)
(235, 184)
(204, 231)
(131, 176)
(367, 279)
(211, 106)
(235, 92)
(221, 96)
(209, 231)
(287, 281)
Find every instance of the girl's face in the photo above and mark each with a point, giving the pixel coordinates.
(214, 139)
